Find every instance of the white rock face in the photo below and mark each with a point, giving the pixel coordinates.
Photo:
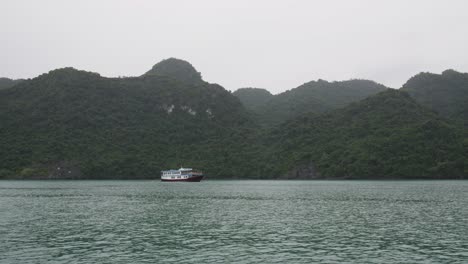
(192, 112)
(171, 108)
(188, 110)
(168, 108)
(209, 113)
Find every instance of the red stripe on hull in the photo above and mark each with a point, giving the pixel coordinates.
(192, 179)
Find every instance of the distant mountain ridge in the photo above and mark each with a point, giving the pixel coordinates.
(118, 127)
(71, 124)
(387, 135)
(253, 98)
(8, 83)
(315, 96)
(178, 69)
(445, 93)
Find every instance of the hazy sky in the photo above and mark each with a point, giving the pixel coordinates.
(276, 45)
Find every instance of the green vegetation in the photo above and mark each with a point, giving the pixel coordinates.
(317, 97)
(121, 128)
(70, 124)
(177, 69)
(445, 93)
(253, 98)
(8, 83)
(384, 136)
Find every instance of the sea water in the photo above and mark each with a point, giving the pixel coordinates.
(234, 222)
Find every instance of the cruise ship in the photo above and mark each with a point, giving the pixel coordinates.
(182, 175)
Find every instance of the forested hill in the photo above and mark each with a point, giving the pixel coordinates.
(445, 93)
(71, 124)
(178, 69)
(7, 82)
(317, 97)
(387, 135)
(253, 98)
(99, 127)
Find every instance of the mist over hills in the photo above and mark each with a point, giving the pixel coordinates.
(315, 96)
(253, 98)
(76, 124)
(445, 93)
(177, 69)
(7, 82)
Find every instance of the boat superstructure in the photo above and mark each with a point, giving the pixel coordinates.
(182, 174)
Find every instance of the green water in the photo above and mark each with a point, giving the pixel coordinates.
(234, 222)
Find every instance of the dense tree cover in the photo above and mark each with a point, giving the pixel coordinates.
(387, 135)
(253, 98)
(120, 128)
(315, 96)
(76, 124)
(177, 69)
(7, 83)
(445, 93)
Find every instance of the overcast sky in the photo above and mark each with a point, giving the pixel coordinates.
(276, 45)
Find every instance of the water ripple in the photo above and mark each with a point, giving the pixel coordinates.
(234, 222)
